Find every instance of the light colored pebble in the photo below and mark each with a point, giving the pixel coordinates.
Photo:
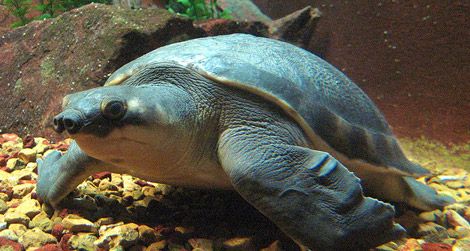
(239, 243)
(29, 207)
(18, 229)
(76, 223)
(156, 246)
(27, 155)
(462, 245)
(124, 235)
(36, 238)
(3, 206)
(9, 234)
(15, 164)
(42, 222)
(3, 225)
(21, 190)
(105, 221)
(4, 197)
(432, 216)
(199, 244)
(83, 241)
(455, 219)
(12, 217)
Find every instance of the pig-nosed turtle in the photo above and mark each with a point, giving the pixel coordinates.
(270, 120)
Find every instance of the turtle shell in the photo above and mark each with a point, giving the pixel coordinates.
(324, 102)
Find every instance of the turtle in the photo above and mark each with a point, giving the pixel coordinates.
(294, 136)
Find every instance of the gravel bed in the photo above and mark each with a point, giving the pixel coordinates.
(111, 211)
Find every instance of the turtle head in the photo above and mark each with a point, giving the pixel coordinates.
(98, 111)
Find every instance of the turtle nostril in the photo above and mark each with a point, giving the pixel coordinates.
(58, 124)
(68, 123)
(71, 123)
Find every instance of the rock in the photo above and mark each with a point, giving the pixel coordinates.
(36, 238)
(147, 234)
(58, 230)
(455, 219)
(49, 247)
(462, 245)
(15, 164)
(432, 216)
(411, 245)
(436, 247)
(296, 28)
(19, 191)
(73, 52)
(462, 232)
(27, 155)
(13, 217)
(9, 234)
(275, 246)
(29, 207)
(76, 223)
(3, 206)
(7, 244)
(239, 243)
(156, 246)
(431, 232)
(124, 235)
(244, 10)
(28, 142)
(105, 221)
(18, 229)
(83, 241)
(201, 244)
(42, 222)
(3, 225)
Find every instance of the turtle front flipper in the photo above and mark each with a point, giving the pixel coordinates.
(58, 175)
(308, 194)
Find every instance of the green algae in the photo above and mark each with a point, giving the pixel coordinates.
(436, 156)
(47, 70)
(18, 88)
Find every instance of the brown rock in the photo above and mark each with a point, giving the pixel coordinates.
(275, 246)
(49, 247)
(436, 247)
(9, 244)
(296, 28)
(73, 52)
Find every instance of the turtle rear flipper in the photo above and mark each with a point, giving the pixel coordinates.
(308, 194)
(423, 197)
(390, 185)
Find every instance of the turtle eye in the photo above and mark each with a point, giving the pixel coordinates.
(113, 109)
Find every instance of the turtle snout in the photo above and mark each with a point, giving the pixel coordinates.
(68, 120)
